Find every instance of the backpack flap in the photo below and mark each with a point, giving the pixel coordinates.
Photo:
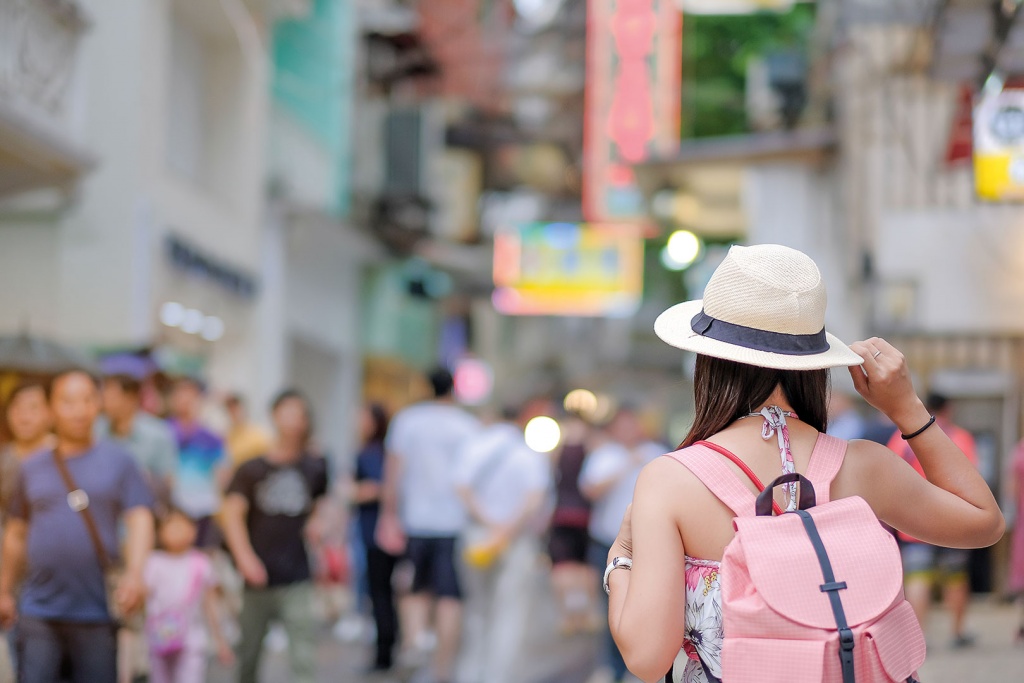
(785, 572)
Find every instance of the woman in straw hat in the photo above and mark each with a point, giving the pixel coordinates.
(761, 391)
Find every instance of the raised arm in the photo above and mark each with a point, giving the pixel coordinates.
(954, 507)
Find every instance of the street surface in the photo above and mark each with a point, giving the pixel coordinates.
(550, 658)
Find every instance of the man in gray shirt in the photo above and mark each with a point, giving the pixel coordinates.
(148, 438)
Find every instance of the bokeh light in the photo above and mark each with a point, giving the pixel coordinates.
(582, 401)
(683, 248)
(542, 434)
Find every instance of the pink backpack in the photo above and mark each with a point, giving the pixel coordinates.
(815, 596)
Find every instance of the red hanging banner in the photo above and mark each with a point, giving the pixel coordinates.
(634, 65)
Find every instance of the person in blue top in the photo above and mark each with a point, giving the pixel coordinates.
(63, 615)
(203, 469)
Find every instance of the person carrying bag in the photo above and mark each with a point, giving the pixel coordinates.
(703, 571)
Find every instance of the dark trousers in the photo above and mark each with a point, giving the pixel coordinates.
(379, 568)
(89, 651)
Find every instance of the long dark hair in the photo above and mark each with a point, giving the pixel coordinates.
(380, 418)
(725, 391)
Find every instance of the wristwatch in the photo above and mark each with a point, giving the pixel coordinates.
(616, 563)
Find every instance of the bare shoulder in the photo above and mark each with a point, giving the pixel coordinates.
(667, 477)
(866, 463)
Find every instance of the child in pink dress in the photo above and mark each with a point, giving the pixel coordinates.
(180, 593)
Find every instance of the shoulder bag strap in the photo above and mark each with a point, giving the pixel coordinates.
(196, 588)
(78, 500)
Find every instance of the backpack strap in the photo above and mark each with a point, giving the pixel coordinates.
(826, 459)
(712, 471)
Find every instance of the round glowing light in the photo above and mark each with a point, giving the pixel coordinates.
(683, 247)
(670, 263)
(172, 314)
(212, 329)
(474, 381)
(192, 321)
(542, 434)
(582, 401)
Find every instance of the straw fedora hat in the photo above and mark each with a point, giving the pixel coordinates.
(764, 306)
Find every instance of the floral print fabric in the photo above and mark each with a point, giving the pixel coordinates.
(704, 633)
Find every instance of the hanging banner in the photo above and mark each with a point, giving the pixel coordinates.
(568, 269)
(999, 146)
(634, 64)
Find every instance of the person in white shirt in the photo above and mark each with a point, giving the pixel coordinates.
(504, 485)
(608, 478)
(422, 515)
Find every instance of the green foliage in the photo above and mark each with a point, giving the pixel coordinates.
(716, 50)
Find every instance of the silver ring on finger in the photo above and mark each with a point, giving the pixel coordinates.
(876, 354)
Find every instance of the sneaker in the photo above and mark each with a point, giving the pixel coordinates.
(963, 641)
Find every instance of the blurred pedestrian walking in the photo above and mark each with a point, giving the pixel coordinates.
(608, 477)
(380, 564)
(504, 484)
(269, 504)
(180, 597)
(29, 424)
(145, 436)
(574, 580)
(62, 534)
(201, 461)
(1017, 552)
(245, 439)
(925, 565)
(423, 516)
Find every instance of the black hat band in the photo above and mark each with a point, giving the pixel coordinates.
(759, 340)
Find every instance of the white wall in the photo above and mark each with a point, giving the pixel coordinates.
(29, 277)
(300, 162)
(968, 266)
(796, 205)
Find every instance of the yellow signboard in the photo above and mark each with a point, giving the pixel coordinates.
(568, 269)
(999, 146)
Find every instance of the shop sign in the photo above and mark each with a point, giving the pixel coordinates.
(634, 63)
(568, 269)
(194, 261)
(999, 146)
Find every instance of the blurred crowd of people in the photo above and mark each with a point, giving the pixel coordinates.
(123, 532)
(141, 546)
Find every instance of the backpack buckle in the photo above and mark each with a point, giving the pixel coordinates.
(846, 639)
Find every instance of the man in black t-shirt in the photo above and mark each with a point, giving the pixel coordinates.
(268, 505)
